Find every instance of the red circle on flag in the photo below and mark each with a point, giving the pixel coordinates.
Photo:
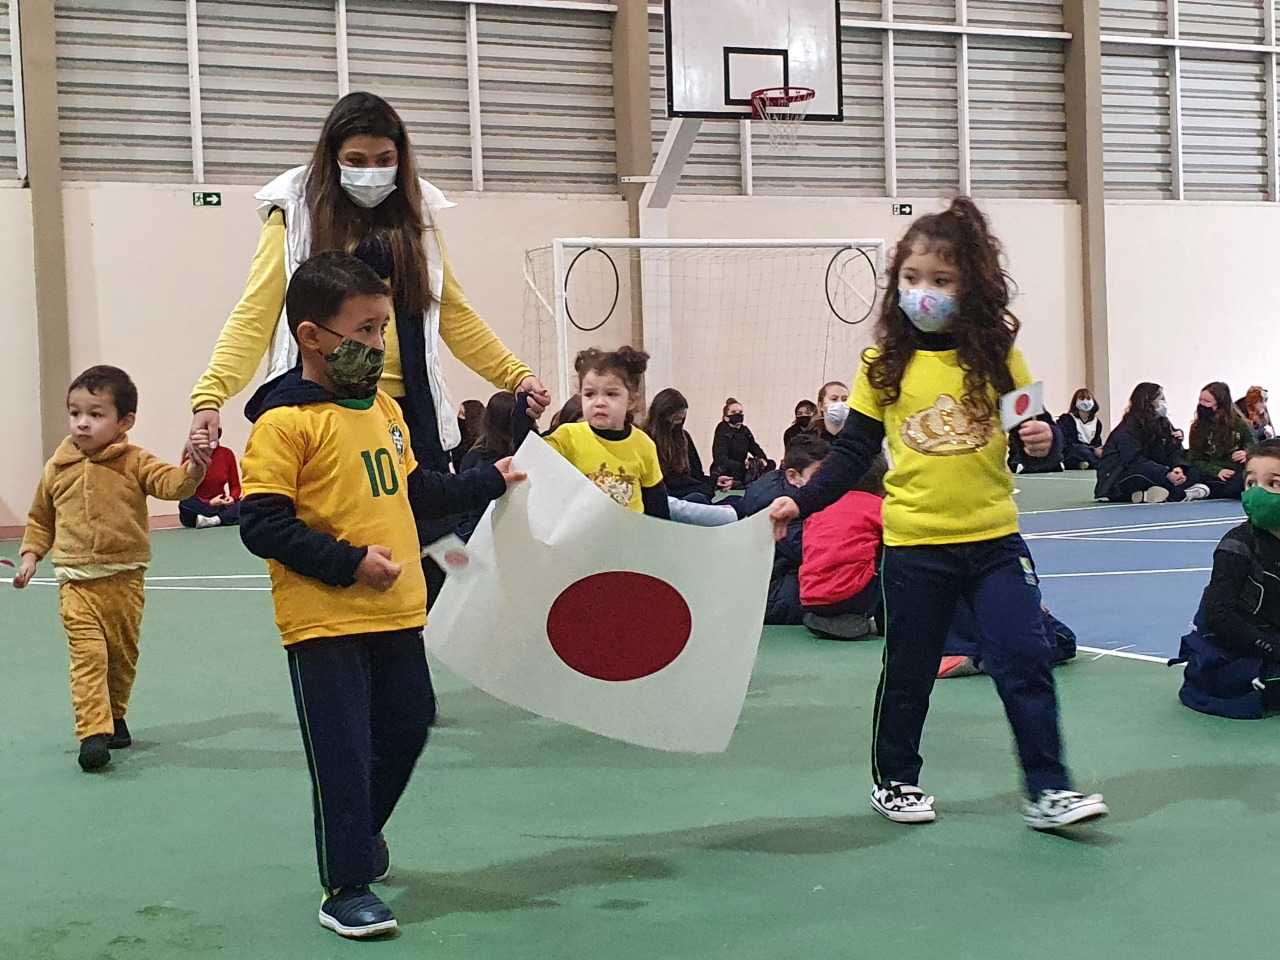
(619, 625)
(1021, 404)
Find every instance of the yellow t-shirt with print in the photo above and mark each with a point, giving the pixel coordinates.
(949, 482)
(345, 465)
(621, 468)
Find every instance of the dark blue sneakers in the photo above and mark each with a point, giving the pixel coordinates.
(356, 912)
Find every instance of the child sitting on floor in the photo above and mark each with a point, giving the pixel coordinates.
(1233, 650)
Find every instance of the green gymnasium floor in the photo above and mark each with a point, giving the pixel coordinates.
(522, 838)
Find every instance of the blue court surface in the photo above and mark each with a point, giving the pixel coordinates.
(1127, 578)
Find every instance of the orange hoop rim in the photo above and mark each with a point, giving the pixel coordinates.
(778, 97)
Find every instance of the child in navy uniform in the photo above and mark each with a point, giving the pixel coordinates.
(1233, 650)
(931, 387)
(332, 490)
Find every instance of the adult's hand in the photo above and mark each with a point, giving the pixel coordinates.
(539, 396)
(203, 436)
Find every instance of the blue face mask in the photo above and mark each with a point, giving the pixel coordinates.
(928, 310)
(836, 413)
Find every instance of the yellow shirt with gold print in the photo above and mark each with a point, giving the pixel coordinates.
(950, 482)
(621, 468)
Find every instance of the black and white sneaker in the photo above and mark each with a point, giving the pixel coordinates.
(356, 912)
(902, 803)
(1050, 809)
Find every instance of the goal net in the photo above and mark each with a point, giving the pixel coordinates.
(766, 322)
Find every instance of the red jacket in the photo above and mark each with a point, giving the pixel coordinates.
(223, 472)
(841, 549)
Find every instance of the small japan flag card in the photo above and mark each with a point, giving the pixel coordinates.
(451, 553)
(1022, 405)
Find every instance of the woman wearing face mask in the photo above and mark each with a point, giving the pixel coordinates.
(1142, 462)
(1220, 438)
(733, 445)
(677, 455)
(1081, 432)
(805, 412)
(833, 410)
(361, 193)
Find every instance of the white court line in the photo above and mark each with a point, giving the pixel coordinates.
(1132, 528)
(1076, 539)
(1102, 651)
(1123, 573)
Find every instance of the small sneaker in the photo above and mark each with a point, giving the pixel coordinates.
(120, 739)
(958, 667)
(902, 803)
(381, 859)
(202, 522)
(94, 754)
(356, 912)
(1197, 491)
(1151, 495)
(1051, 809)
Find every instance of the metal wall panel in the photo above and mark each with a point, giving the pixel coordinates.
(1136, 137)
(1224, 129)
(8, 136)
(1143, 17)
(928, 117)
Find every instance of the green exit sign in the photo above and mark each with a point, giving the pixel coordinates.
(206, 199)
(902, 209)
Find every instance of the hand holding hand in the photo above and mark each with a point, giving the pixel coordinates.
(539, 396)
(378, 570)
(26, 571)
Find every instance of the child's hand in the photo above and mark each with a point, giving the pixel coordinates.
(539, 396)
(1037, 438)
(782, 511)
(724, 483)
(378, 570)
(1240, 456)
(204, 425)
(510, 476)
(1226, 474)
(26, 571)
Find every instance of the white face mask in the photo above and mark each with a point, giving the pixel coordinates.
(836, 413)
(368, 186)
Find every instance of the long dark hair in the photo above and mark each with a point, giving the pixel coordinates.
(495, 433)
(1083, 394)
(1216, 439)
(660, 425)
(1151, 429)
(984, 329)
(470, 423)
(396, 223)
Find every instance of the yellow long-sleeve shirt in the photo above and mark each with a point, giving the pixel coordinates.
(247, 333)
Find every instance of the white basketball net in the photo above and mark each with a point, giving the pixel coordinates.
(783, 110)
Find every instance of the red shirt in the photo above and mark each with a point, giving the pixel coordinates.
(841, 549)
(223, 474)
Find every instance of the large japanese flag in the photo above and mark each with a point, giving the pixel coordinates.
(580, 610)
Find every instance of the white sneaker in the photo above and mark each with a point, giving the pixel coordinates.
(1060, 808)
(903, 803)
(1197, 491)
(1151, 495)
(202, 522)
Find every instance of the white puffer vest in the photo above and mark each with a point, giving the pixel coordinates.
(287, 192)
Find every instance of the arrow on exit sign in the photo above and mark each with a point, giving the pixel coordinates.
(902, 209)
(206, 199)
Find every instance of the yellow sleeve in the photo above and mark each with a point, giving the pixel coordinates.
(273, 458)
(471, 340)
(247, 332)
(38, 538)
(865, 398)
(651, 474)
(161, 480)
(561, 441)
(1019, 370)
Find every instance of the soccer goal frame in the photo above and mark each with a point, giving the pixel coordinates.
(655, 292)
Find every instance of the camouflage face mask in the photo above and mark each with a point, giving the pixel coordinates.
(354, 367)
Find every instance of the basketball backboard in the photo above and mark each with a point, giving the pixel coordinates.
(720, 51)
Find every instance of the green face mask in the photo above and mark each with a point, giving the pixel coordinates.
(355, 368)
(1262, 507)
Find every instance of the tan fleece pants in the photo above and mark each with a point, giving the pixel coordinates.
(102, 618)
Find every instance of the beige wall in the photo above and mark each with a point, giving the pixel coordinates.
(1042, 239)
(20, 458)
(1190, 299)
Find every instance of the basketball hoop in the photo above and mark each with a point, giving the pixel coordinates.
(782, 109)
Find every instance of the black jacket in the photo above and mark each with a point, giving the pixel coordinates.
(694, 480)
(1071, 431)
(732, 445)
(1123, 452)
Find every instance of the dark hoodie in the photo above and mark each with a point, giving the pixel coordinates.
(269, 525)
(784, 581)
